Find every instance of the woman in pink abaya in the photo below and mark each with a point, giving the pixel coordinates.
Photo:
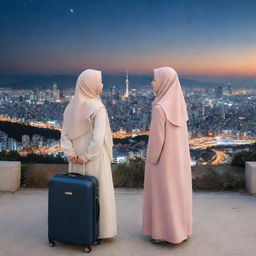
(167, 205)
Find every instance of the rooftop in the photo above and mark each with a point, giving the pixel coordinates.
(224, 223)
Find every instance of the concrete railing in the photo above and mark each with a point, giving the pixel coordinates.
(10, 175)
(250, 177)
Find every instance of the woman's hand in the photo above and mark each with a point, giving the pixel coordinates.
(82, 159)
(73, 158)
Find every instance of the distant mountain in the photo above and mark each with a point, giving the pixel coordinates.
(239, 82)
(37, 81)
(68, 81)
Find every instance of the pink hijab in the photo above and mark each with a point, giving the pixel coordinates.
(170, 96)
(85, 102)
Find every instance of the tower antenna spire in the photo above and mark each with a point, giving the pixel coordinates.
(127, 85)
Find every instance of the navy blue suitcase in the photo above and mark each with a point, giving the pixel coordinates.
(73, 209)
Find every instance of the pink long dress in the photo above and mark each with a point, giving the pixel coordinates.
(167, 209)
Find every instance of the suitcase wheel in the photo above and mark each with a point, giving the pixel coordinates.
(97, 242)
(87, 249)
(51, 242)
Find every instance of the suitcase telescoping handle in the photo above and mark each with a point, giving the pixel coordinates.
(74, 174)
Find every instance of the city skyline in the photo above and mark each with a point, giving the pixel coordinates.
(202, 38)
(221, 121)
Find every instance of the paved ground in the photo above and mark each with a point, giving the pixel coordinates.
(224, 223)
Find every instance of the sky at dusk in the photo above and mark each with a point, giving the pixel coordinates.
(201, 37)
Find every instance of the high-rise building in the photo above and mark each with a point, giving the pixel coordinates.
(12, 144)
(56, 93)
(219, 91)
(35, 140)
(25, 140)
(113, 90)
(203, 109)
(133, 92)
(229, 89)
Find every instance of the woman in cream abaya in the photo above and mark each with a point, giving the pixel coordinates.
(86, 139)
(167, 205)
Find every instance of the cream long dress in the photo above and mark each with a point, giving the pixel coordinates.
(93, 146)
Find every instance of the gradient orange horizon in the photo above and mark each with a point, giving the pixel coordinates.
(194, 70)
(237, 64)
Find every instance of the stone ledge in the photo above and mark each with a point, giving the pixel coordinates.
(250, 176)
(10, 175)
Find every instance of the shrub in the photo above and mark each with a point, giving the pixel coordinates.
(240, 158)
(217, 182)
(129, 175)
(13, 155)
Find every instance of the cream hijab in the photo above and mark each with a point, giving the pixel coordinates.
(86, 101)
(170, 96)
